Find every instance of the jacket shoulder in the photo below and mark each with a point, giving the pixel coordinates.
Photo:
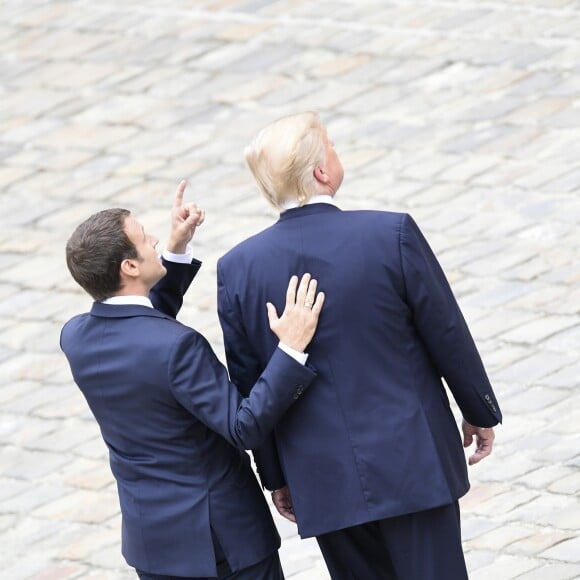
(83, 324)
(78, 318)
(256, 241)
(71, 325)
(375, 215)
(374, 223)
(367, 218)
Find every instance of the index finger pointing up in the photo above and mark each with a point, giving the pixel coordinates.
(178, 200)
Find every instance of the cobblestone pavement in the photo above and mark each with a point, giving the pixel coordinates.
(466, 114)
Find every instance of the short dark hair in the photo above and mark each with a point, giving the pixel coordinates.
(95, 251)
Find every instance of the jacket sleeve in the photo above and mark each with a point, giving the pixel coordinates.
(200, 383)
(167, 295)
(442, 329)
(244, 367)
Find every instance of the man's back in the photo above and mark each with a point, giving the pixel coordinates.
(174, 424)
(376, 438)
(174, 474)
(124, 375)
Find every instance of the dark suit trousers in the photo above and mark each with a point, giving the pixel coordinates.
(268, 569)
(421, 546)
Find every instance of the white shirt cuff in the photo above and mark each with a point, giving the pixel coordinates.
(300, 357)
(179, 258)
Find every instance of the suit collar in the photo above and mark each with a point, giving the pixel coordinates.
(312, 209)
(125, 311)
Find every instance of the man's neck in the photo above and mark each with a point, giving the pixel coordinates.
(133, 287)
(317, 198)
(132, 292)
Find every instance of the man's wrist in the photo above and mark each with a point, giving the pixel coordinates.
(176, 247)
(298, 356)
(183, 257)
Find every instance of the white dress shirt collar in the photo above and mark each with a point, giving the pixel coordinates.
(314, 199)
(129, 300)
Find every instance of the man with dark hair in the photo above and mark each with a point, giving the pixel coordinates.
(95, 251)
(174, 425)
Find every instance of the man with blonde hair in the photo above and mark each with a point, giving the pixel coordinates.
(371, 460)
(286, 161)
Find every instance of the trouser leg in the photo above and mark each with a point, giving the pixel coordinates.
(424, 545)
(268, 569)
(356, 553)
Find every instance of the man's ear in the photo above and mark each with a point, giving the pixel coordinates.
(320, 175)
(130, 268)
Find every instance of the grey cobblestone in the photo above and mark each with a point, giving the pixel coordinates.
(554, 572)
(500, 538)
(546, 477)
(463, 113)
(542, 539)
(568, 550)
(505, 567)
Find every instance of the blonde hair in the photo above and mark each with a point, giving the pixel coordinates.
(283, 156)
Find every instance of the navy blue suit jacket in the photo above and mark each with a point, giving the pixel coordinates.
(175, 426)
(376, 437)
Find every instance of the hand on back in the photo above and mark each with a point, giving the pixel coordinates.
(296, 327)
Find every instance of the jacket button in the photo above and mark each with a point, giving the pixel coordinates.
(487, 398)
(299, 391)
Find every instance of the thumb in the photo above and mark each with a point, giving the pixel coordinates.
(191, 220)
(272, 314)
(200, 216)
(467, 439)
